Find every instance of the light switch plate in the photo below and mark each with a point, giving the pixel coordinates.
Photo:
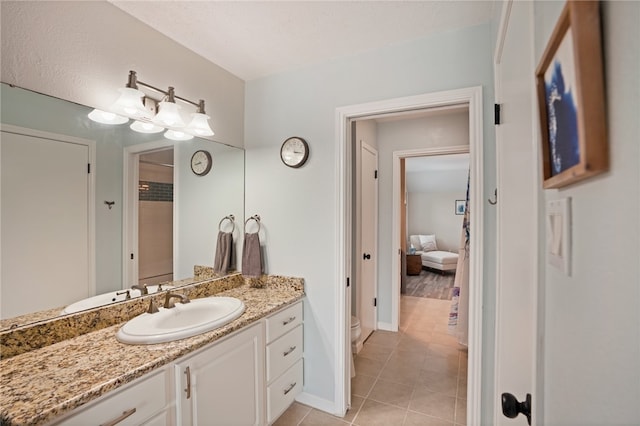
(558, 221)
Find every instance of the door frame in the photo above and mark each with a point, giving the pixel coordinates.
(343, 116)
(396, 252)
(130, 207)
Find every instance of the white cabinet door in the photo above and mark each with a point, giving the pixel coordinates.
(224, 384)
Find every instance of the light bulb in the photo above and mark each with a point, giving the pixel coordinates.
(106, 117)
(145, 127)
(130, 103)
(168, 115)
(199, 125)
(177, 135)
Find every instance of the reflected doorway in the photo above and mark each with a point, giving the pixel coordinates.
(155, 216)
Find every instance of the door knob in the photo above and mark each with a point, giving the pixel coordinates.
(511, 407)
(366, 256)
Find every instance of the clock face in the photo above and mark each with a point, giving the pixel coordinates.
(201, 162)
(294, 152)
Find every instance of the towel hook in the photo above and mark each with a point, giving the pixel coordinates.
(254, 217)
(495, 198)
(231, 218)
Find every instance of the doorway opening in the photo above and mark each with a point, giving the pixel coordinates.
(472, 97)
(149, 213)
(155, 216)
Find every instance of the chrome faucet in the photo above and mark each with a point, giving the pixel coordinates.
(142, 287)
(168, 299)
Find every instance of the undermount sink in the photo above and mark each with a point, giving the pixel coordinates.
(107, 298)
(181, 321)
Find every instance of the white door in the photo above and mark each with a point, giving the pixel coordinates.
(368, 239)
(516, 212)
(45, 223)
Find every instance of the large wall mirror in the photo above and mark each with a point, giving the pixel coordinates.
(134, 212)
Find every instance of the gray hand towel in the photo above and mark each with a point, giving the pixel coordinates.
(251, 256)
(224, 253)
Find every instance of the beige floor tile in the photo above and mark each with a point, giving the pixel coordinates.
(446, 364)
(361, 384)
(408, 357)
(461, 411)
(375, 413)
(437, 349)
(320, 418)
(462, 388)
(433, 403)
(377, 352)
(294, 414)
(356, 404)
(384, 338)
(417, 419)
(400, 372)
(446, 384)
(445, 339)
(368, 366)
(391, 393)
(412, 344)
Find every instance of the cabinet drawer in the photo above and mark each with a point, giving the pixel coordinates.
(282, 392)
(284, 352)
(133, 405)
(283, 321)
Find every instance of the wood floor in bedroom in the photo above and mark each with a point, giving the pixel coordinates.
(417, 376)
(432, 284)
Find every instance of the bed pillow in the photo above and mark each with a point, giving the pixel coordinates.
(428, 242)
(414, 241)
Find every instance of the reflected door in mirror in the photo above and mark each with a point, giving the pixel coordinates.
(45, 223)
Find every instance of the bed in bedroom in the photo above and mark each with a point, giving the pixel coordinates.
(426, 247)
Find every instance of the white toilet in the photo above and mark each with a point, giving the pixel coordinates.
(355, 335)
(355, 331)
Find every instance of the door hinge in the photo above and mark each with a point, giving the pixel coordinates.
(375, 301)
(88, 167)
(497, 109)
(375, 174)
(348, 283)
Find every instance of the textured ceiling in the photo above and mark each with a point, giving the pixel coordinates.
(252, 39)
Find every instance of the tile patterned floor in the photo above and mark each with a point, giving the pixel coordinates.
(417, 376)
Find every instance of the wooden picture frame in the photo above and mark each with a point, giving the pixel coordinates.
(571, 98)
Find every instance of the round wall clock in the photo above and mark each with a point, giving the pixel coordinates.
(294, 152)
(201, 162)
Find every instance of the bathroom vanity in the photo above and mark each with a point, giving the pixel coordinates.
(246, 372)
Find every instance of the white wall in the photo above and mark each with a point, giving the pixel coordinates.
(83, 51)
(433, 213)
(591, 345)
(298, 206)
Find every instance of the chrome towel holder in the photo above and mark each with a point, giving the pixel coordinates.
(254, 217)
(231, 218)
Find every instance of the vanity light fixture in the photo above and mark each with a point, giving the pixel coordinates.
(133, 103)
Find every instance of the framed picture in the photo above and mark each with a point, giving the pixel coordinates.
(571, 101)
(460, 206)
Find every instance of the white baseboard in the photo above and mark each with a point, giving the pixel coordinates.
(385, 326)
(317, 403)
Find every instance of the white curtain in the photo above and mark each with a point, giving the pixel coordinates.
(459, 314)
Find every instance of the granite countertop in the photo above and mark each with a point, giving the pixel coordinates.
(42, 384)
